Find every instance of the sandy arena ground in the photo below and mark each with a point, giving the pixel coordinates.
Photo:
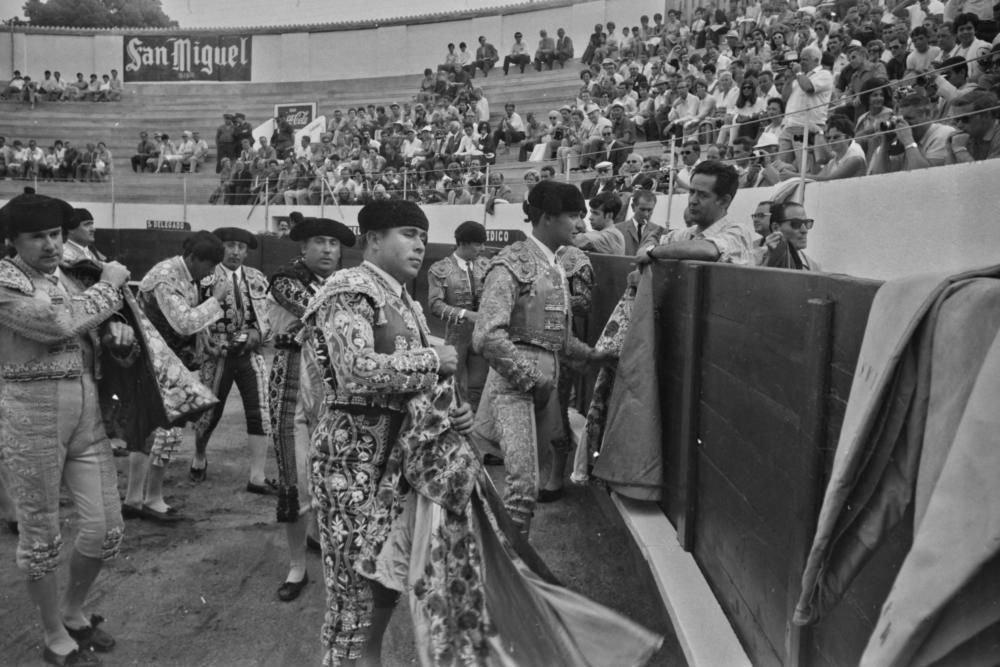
(203, 592)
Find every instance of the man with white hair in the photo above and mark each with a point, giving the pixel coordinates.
(808, 93)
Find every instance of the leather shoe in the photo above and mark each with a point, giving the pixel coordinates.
(549, 495)
(290, 590)
(492, 460)
(76, 658)
(169, 516)
(268, 488)
(91, 636)
(131, 511)
(198, 474)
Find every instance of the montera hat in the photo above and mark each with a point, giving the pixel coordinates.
(386, 214)
(225, 234)
(310, 227)
(470, 231)
(80, 216)
(553, 197)
(27, 213)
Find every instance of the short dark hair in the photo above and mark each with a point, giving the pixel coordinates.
(966, 18)
(204, 246)
(955, 64)
(606, 202)
(842, 123)
(978, 100)
(779, 101)
(779, 209)
(727, 179)
(919, 31)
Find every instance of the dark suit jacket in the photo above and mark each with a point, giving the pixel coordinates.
(652, 232)
(590, 189)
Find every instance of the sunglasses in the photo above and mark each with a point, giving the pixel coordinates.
(796, 223)
(687, 152)
(603, 171)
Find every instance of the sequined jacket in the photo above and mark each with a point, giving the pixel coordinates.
(42, 328)
(525, 301)
(232, 323)
(370, 342)
(170, 299)
(291, 290)
(449, 292)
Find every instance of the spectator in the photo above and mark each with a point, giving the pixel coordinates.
(103, 162)
(761, 218)
(921, 143)
(605, 239)
(450, 63)
(918, 62)
(518, 55)
(808, 94)
(33, 160)
(712, 236)
(466, 63)
(486, 57)
(546, 52)
(564, 47)
(144, 151)
(183, 152)
(15, 87)
(638, 230)
(224, 171)
(787, 241)
(863, 70)
(896, 65)
(67, 166)
(200, 152)
(84, 167)
(978, 136)
(969, 46)
(952, 81)
(840, 155)
(93, 92)
(511, 129)
(572, 145)
(604, 181)
(115, 93)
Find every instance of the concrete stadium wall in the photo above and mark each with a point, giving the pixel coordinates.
(329, 55)
(883, 227)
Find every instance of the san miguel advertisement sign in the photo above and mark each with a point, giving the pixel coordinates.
(187, 57)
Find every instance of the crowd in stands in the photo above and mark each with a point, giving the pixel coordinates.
(163, 154)
(53, 88)
(62, 161)
(848, 90)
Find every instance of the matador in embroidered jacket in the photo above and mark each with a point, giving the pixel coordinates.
(454, 289)
(233, 354)
(523, 327)
(371, 344)
(54, 336)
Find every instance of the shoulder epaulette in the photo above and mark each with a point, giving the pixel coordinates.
(441, 268)
(519, 259)
(12, 277)
(573, 260)
(356, 280)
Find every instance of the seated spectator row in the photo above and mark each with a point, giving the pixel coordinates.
(52, 87)
(61, 161)
(163, 154)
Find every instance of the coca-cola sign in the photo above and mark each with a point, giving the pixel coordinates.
(187, 57)
(298, 114)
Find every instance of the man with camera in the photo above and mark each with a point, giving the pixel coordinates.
(910, 141)
(808, 92)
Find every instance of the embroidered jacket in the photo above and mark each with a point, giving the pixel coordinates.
(73, 253)
(292, 287)
(449, 291)
(370, 341)
(253, 295)
(580, 277)
(169, 297)
(43, 326)
(525, 300)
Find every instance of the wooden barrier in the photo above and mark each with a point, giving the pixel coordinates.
(754, 371)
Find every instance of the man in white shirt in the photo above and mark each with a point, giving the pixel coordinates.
(919, 60)
(511, 129)
(809, 91)
(518, 55)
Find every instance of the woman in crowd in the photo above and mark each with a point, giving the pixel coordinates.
(872, 98)
(571, 148)
(103, 162)
(749, 109)
(485, 142)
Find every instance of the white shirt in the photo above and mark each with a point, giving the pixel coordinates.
(549, 255)
(809, 109)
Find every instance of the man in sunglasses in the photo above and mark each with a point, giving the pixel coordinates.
(786, 244)
(978, 135)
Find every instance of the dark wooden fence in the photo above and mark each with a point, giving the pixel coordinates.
(754, 368)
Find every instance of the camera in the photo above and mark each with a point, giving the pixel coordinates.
(887, 125)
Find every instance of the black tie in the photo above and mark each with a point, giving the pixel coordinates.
(237, 298)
